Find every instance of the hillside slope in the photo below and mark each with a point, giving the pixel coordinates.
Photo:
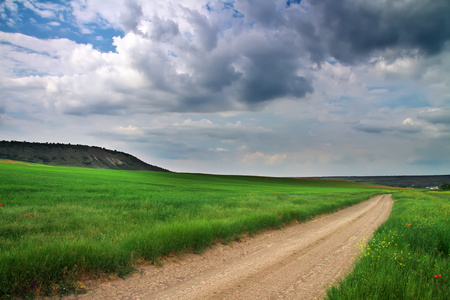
(73, 155)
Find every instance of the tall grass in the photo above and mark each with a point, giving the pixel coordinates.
(61, 225)
(408, 257)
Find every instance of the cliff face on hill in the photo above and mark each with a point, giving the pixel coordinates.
(56, 154)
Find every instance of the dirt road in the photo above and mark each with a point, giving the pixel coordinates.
(298, 262)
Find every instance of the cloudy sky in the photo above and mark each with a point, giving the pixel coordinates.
(278, 88)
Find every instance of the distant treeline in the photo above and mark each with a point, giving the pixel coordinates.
(411, 181)
(50, 144)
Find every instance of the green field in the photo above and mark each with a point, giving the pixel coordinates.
(408, 257)
(61, 225)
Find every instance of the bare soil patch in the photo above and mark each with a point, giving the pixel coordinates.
(298, 262)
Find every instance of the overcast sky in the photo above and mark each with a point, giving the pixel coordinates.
(277, 88)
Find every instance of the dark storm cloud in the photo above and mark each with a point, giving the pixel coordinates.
(436, 116)
(355, 29)
(261, 86)
(380, 129)
(271, 69)
(371, 128)
(252, 68)
(309, 36)
(215, 71)
(201, 102)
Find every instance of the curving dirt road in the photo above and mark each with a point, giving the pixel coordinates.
(298, 262)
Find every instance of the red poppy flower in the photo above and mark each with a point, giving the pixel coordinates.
(435, 276)
(1, 204)
(440, 275)
(26, 213)
(31, 216)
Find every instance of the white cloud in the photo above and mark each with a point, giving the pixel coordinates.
(408, 121)
(243, 148)
(401, 67)
(30, 55)
(201, 123)
(43, 13)
(129, 130)
(265, 158)
(219, 149)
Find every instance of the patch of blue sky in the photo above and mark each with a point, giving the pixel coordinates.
(237, 14)
(100, 38)
(171, 53)
(290, 2)
(22, 115)
(436, 162)
(376, 88)
(28, 21)
(342, 105)
(411, 100)
(219, 5)
(26, 50)
(226, 5)
(189, 36)
(400, 97)
(229, 5)
(62, 25)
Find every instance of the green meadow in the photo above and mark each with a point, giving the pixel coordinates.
(61, 225)
(408, 257)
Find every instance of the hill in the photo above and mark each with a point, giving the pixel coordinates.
(73, 155)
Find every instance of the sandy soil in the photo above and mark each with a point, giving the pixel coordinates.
(297, 262)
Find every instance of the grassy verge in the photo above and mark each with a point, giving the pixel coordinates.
(408, 257)
(61, 225)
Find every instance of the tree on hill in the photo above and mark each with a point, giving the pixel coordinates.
(445, 187)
